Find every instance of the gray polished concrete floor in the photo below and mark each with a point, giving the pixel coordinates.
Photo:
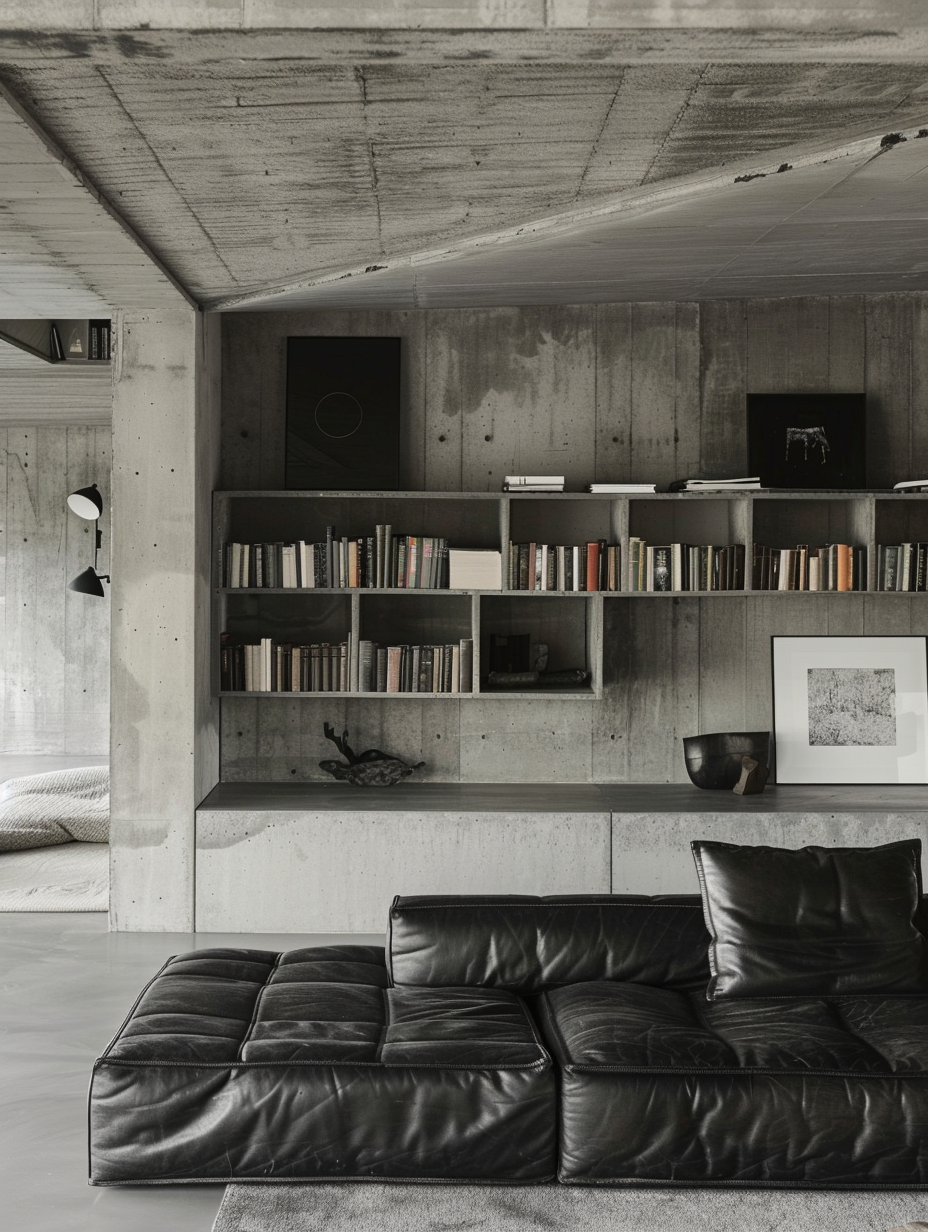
(65, 986)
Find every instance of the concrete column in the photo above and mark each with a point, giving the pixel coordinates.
(164, 741)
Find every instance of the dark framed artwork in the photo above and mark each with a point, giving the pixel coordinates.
(851, 709)
(343, 414)
(808, 440)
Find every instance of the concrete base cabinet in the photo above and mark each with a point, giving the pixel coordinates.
(327, 857)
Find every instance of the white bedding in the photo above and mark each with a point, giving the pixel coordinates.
(41, 810)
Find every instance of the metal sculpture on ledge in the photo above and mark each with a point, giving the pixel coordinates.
(370, 769)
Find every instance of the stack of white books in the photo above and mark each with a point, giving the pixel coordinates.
(475, 569)
(534, 483)
(911, 485)
(621, 487)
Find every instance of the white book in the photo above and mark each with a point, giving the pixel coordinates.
(676, 566)
(621, 487)
(543, 568)
(783, 575)
(307, 570)
(475, 569)
(288, 561)
(575, 553)
(266, 673)
(518, 481)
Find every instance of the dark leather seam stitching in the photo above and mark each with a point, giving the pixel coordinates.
(476, 902)
(130, 1063)
(254, 1016)
(746, 1072)
(551, 1021)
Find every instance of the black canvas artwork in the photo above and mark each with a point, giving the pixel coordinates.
(343, 414)
(807, 440)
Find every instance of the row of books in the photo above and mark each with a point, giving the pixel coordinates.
(412, 562)
(684, 566)
(281, 667)
(902, 566)
(579, 566)
(352, 666)
(834, 566)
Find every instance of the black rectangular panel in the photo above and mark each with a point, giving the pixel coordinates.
(343, 413)
(808, 440)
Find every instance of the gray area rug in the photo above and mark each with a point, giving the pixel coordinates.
(377, 1207)
(71, 877)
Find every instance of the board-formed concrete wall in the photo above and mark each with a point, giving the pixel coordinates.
(649, 392)
(54, 643)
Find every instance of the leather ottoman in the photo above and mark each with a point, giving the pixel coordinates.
(661, 1086)
(307, 1065)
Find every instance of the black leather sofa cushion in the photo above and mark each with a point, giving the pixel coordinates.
(818, 921)
(659, 1086)
(253, 1065)
(528, 944)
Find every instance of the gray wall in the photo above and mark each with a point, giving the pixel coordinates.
(54, 644)
(621, 391)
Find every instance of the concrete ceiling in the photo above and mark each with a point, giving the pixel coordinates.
(262, 167)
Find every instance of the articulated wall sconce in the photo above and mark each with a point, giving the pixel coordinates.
(88, 503)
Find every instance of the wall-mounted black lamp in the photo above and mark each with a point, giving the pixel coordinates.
(88, 503)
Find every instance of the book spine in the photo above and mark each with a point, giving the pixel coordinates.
(592, 566)
(379, 554)
(466, 665)
(330, 556)
(661, 568)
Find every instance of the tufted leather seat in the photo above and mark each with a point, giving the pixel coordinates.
(270, 1066)
(660, 1085)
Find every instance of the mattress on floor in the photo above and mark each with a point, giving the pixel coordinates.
(69, 877)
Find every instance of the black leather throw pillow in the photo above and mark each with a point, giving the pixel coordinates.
(817, 922)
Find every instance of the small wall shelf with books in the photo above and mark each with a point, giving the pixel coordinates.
(568, 622)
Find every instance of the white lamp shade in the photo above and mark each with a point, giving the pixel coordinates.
(86, 503)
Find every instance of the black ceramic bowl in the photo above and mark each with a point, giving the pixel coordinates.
(714, 761)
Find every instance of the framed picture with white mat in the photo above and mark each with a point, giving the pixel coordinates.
(850, 709)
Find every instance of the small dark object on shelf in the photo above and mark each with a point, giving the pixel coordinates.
(753, 777)
(569, 677)
(713, 761)
(370, 769)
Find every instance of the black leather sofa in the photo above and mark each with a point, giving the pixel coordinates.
(508, 1039)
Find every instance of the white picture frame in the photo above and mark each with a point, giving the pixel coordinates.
(850, 709)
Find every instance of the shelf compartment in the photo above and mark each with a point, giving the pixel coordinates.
(286, 616)
(785, 523)
(568, 520)
(464, 521)
(901, 519)
(569, 624)
(411, 618)
(704, 520)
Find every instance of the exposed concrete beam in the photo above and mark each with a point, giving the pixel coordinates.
(897, 16)
(64, 250)
(394, 281)
(877, 40)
